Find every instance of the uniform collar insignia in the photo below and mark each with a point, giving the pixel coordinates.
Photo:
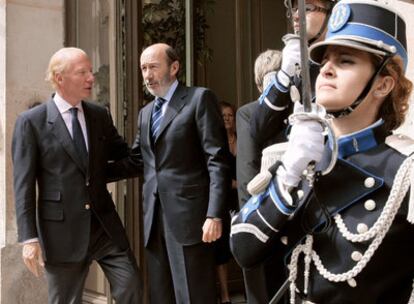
(360, 141)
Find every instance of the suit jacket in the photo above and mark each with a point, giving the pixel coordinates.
(55, 192)
(249, 148)
(185, 169)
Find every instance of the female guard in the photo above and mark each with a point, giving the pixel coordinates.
(347, 235)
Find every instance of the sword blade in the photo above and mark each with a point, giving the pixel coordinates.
(304, 71)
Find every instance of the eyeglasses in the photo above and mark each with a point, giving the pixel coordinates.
(310, 8)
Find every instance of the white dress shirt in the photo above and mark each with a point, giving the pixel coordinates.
(64, 109)
(168, 96)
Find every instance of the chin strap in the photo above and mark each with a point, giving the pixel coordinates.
(365, 91)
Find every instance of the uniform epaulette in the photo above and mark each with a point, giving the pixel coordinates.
(402, 143)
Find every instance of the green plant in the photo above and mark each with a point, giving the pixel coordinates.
(164, 21)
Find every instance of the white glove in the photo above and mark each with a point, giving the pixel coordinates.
(290, 59)
(306, 144)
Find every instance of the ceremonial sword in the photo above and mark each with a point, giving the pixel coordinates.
(309, 111)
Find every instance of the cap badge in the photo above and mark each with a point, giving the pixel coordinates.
(340, 16)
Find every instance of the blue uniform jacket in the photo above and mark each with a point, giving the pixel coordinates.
(357, 189)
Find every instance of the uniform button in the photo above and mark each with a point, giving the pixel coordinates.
(300, 194)
(352, 283)
(369, 182)
(362, 228)
(284, 240)
(370, 205)
(87, 206)
(356, 256)
(87, 184)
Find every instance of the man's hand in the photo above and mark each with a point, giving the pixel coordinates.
(32, 257)
(212, 229)
(233, 184)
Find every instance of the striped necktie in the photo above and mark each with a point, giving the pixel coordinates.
(156, 117)
(77, 136)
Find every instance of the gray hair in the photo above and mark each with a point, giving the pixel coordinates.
(266, 62)
(59, 62)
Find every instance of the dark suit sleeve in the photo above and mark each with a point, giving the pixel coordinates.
(25, 155)
(248, 151)
(213, 140)
(124, 162)
(266, 122)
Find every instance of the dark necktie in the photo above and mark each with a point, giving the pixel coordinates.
(156, 117)
(77, 136)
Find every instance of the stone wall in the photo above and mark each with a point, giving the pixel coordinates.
(406, 8)
(30, 32)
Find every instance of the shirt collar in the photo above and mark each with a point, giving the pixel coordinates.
(64, 106)
(361, 140)
(171, 91)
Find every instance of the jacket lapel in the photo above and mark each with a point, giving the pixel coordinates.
(346, 193)
(175, 105)
(59, 130)
(145, 133)
(146, 124)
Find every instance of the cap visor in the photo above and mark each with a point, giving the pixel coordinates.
(317, 50)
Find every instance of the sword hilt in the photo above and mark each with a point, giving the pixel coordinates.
(319, 114)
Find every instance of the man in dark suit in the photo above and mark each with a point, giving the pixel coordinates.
(261, 281)
(249, 151)
(182, 146)
(65, 215)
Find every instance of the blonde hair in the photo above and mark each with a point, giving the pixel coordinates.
(59, 62)
(266, 62)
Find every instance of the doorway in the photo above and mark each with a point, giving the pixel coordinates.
(229, 38)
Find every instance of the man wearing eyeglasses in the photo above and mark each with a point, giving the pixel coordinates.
(270, 118)
(264, 122)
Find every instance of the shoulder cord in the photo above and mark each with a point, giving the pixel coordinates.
(377, 232)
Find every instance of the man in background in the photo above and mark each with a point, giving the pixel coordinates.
(261, 281)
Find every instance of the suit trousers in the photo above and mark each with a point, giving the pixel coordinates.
(66, 280)
(178, 273)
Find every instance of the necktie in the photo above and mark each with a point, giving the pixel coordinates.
(156, 117)
(77, 136)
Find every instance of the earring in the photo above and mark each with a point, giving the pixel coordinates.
(377, 94)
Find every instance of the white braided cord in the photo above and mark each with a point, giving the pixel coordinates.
(293, 270)
(398, 191)
(308, 260)
(377, 231)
